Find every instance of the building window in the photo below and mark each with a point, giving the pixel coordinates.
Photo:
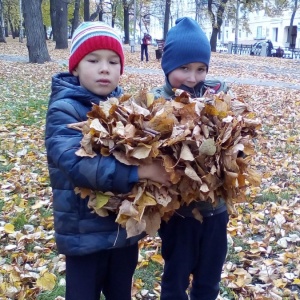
(240, 33)
(259, 32)
(226, 34)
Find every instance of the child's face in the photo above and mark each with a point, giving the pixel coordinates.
(189, 75)
(99, 72)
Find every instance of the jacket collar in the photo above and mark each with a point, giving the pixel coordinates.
(195, 92)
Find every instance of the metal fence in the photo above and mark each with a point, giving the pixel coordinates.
(246, 50)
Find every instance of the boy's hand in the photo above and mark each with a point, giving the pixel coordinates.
(155, 172)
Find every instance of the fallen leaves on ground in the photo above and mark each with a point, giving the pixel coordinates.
(263, 257)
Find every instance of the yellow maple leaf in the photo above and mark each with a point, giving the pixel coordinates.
(211, 110)
(47, 281)
(157, 258)
(292, 139)
(296, 281)
(101, 199)
(9, 228)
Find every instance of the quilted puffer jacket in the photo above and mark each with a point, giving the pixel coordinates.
(79, 231)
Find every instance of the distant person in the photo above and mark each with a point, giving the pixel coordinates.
(269, 48)
(146, 40)
(279, 52)
(99, 256)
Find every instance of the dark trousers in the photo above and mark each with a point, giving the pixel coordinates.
(108, 271)
(144, 49)
(192, 247)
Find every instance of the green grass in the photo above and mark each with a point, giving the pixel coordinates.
(59, 290)
(31, 112)
(19, 221)
(233, 256)
(267, 197)
(227, 293)
(272, 197)
(149, 274)
(2, 203)
(5, 168)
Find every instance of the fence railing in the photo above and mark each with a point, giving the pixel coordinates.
(294, 53)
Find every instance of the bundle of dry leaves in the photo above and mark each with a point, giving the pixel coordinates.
(199, 140)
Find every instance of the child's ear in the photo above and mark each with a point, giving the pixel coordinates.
(75, 73)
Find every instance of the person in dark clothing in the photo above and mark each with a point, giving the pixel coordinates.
(191, 247)
(146, 40)
(279, 52)
(269, 48)
(99, 256)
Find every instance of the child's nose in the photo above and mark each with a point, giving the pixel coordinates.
(192, 77)
(103, 67)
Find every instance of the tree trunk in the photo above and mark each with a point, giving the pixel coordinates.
(2, 28)
(113, 14)
(53, 19)
(167, 18)
(34, 29)
(101, 11)
(86, 10)
(12, 29)
(75, 21)
(62, 24)
(126, 21)
(216, 21)
(290, 38)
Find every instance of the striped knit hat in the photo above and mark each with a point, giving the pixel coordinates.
(92, 36)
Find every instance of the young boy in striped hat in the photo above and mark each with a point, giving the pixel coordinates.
(99, 256)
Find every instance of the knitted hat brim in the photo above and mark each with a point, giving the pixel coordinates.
(96, 43)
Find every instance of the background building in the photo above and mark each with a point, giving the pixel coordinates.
(260, 26)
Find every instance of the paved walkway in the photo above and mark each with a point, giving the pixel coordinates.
(227, 79)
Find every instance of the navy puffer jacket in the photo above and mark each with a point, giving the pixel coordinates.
(79, 231)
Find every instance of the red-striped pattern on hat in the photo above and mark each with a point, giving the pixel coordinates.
(92, 36)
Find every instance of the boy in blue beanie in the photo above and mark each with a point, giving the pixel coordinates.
(189, 246)
(99, 256)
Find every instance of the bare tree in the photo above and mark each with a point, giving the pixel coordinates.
(53, 19)
(61, 24)
(292, 35)
(34, 29)
(75, 21)
(86, 10)
(167, 17)
(126, 10)
(2, 28)
(216, 18)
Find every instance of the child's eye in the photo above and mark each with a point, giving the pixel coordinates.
(92, 60)
(202, 70)
(183, 68)
(113, 62)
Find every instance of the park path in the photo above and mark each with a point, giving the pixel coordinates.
(133, 70)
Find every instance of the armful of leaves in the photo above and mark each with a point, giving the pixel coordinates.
(199, 140)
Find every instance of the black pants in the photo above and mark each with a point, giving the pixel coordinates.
(107, 271)
(192, 247)
(144, 49)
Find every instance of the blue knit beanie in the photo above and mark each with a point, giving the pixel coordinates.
(185, 43)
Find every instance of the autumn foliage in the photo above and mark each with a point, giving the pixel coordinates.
(204, 143)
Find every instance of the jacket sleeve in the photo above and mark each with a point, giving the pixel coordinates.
(217, 85)
(103, 173)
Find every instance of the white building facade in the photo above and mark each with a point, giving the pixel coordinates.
(261, 26)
